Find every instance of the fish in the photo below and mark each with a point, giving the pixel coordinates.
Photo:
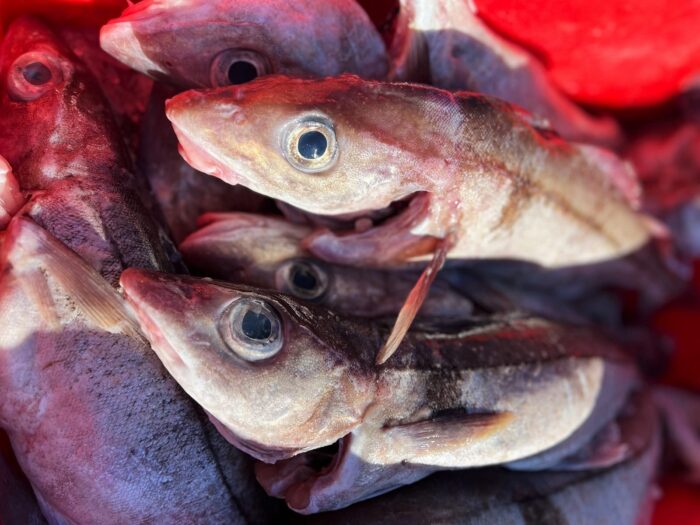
(11, 198)
(199, 43)
(235, 40)
(447, 45)
(101, 431)
(18, 506)
(621, 495)
(331, 427)
(481, 182)
(266, 252)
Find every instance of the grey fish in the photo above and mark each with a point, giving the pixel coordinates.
(103, 434)
(267, 252)
(282, 380)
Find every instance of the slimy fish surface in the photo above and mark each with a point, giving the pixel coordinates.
(297, 387)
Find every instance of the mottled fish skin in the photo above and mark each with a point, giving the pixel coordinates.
(102, 432)
(621, 495)
(18, 506)
(178, 41)
(472, 169)
(447, 45)
(266, 252)
(480, 396)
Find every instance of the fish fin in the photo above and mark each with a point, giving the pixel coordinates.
(606, 450)
(35, 249)
(414, 301)
(619, 173)
(448, 431)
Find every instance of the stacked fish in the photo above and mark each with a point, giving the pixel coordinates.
(419, 248)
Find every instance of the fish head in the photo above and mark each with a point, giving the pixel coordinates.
(200, 43)
(335, 146)
(254, 361)
(53, 121)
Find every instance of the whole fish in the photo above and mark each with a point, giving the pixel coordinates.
(199, 43)
(103, 434)
(296, 386)
(18, 506)
(421, 170)
(266, 252)
(203, 43)
(447, 45)
(620, 495)
(11, 198)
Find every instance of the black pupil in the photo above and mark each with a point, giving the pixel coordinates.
(312, 145)
(241, 72)
(36, 73)
(303, 277)
(256, 325)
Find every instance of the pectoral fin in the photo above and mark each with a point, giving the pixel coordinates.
(443, 433)
(35, 252)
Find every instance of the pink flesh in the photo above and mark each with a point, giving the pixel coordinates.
(389, 243)
(11, 199)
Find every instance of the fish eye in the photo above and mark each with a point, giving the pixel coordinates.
(32, 75)
(252, 329)
(303, 279)
(310, 145)
(238, 66)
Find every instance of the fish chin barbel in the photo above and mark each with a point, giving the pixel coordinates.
(471, 178)
(304, 378)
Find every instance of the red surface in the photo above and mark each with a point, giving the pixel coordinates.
(615, 53)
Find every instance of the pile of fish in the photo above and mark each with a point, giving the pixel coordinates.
(396, 252)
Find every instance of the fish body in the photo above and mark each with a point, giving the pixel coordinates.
(469, 170)
(266, 252)
(198, 43)
(103, 434)
(194, 44)
(621, 495)
(447, 45)
(304, 378)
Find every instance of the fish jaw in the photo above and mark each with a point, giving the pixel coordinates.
(263, 405)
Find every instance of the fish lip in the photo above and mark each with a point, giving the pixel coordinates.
(298, 492)
(344, 223)
(129, 283)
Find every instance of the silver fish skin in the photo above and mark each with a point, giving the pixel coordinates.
(183, 193)
(267, 252)
(194, 43)
(102, 432)
(447, 45)
(304, 378)
(18, 506)
(621, 495)
(476, 179)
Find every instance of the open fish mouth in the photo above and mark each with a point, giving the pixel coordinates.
(296, 478)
